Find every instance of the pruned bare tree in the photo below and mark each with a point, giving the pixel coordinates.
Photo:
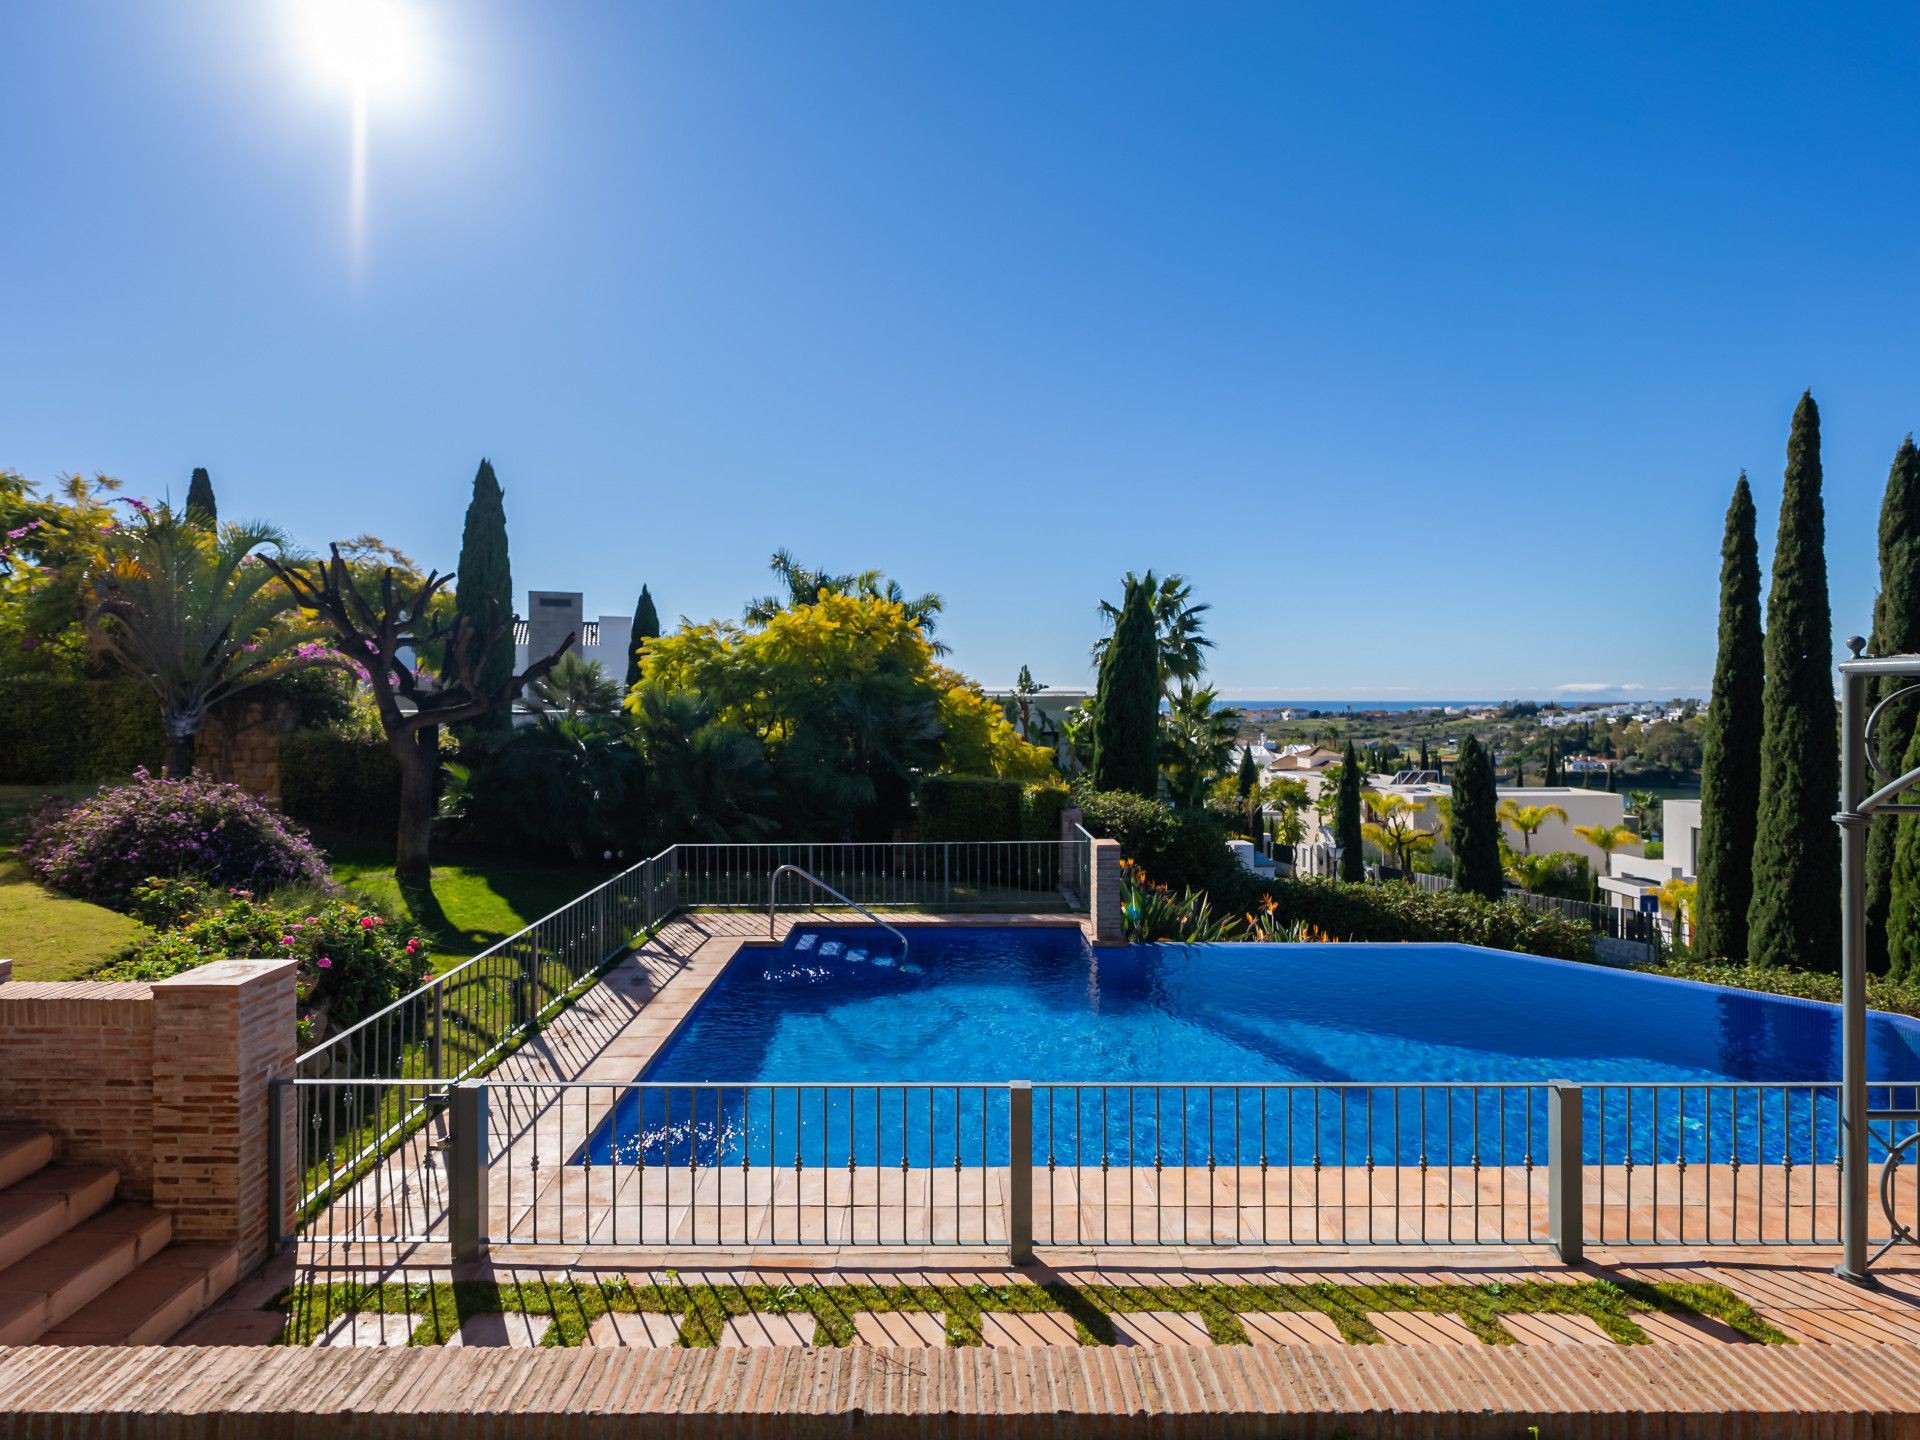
(412, 705)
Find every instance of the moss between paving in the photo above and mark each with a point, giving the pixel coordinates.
(575, 1304)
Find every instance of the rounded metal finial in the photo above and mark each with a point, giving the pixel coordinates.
(1857, 644)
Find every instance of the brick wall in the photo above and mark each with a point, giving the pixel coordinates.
(166, 1081)
(220, 1033)
(78, 1058)
(240, 742)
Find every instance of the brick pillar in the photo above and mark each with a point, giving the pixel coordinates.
(1105, 902)
(220, 1033)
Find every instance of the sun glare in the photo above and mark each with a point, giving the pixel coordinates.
(371, 47)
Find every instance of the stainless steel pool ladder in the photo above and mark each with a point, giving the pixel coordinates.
(773, 894)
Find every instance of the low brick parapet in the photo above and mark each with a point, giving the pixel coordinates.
(1380, 1391)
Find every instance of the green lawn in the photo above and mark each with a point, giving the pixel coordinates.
(50, 937)
(473, 905)
(47, 936)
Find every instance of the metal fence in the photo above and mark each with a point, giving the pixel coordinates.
(1636, 926)
(1076, 867)
(365, 1091)
(799, 1165)
(946, 876)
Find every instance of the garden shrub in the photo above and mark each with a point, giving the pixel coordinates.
(1398, 912)
(1183, 849)
(969, 807)
(353, 959)
(102, 847)
(54, 731)
(339, 783)
(1040, 807)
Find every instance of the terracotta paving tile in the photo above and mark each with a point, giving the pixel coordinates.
(1161, 1327)
(514, 1330)
(1667, 1329)
(1299, 1327)
(650, 1331)
(900, 1327)
(1549, 1329)
(1042, 1328)
(1419, 1327)
(759, 1331)
(366, 1328)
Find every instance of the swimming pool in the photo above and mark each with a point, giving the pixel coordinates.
(1175, 1054)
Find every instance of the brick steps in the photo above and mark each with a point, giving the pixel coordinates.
(155, 1301)
(78, 1269)
(46, 1204)
(63, 1275)
(23, 1150)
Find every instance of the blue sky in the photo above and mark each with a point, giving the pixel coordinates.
(1427, 340)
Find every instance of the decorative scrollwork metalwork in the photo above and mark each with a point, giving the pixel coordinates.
(1870, 729)
(1888, 1171)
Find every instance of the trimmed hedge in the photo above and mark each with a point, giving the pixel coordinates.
(1395, 912)
(328, 782)
(1181, 849)
(969, 807)
(1040, 807)
(55, 731)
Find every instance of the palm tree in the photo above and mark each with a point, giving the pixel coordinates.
(1677, 899)
(191, 610)
(1196, 743)
(1530, 871)
(707, 781)
(1643, 805)
(1024, 689)
(578, 687)
(1178, 623)
(804, 586)
(1606, 839)
(1528, 819)
(1398, 837)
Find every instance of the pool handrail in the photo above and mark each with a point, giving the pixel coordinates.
(773, 894)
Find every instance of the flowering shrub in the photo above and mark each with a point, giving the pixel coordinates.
(102, 847)
(353, 960)
(1150, 911)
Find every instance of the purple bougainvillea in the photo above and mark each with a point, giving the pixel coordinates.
(101, 847)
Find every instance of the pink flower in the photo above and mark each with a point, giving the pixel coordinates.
(326, 962)
(286, 939)
(366, 922)
(312, 920)
(413, 947)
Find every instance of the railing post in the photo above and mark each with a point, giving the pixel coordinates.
(1020, 1172)
(439, 1030)
(281, 1097)
(1566, 1178)
(467, 1171)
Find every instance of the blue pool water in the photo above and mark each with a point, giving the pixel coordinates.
(1180, 1054)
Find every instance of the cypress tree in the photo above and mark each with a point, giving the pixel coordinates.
(1903, 899)
(200, 498)
(1346, 818)
(1246, 785)
(484, 593)
(1730, 762)
(1896, 631)
(1126, 723)
(1474, 833)
(1794, 918)
(1425, 764)
(646, 626)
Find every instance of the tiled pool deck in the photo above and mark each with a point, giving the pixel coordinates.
(558, 1214)
(1848, 1371)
